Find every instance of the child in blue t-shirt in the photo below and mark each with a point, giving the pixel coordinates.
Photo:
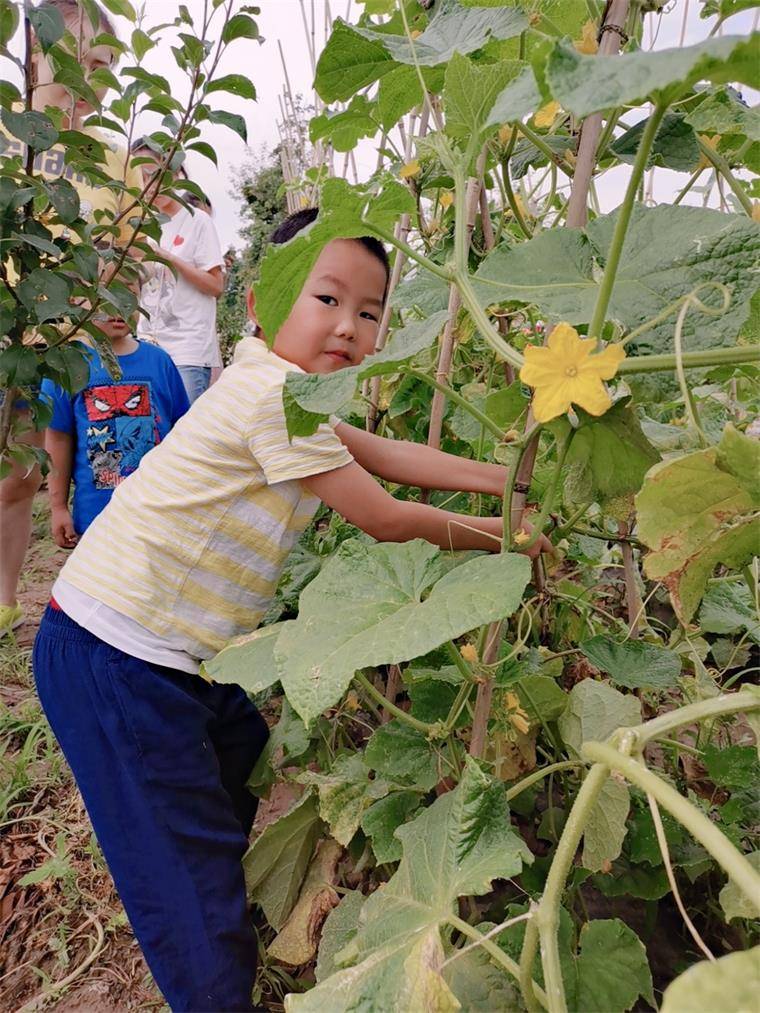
(99, 436)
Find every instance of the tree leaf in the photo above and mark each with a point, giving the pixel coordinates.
(697, 511)
(457, 846)
(276, 862)
(344, 794)
(33, 128)
(728, 608)
(64, 199)
(402, 755)
(310, 398)
(607, 461)
(339, 929)
(735, 902)
(235, 84)
(247, 661)
(588, 84)
(595, 710)
(345, 212)
(382, 819)
(231, 120)
(730, 984)
(296, 942)
(240, 26)
(633, 664)
(469, 93)
(605, 828)
(668, 251)
(675, 144)
(452, 29)
(365, 608)
(48, 24)
(612, 968)
(122, 8)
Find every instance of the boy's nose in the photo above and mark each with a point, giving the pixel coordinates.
(346, 329)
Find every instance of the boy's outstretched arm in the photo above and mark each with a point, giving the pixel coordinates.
(416, 464)
(60, 446)
(356, 496)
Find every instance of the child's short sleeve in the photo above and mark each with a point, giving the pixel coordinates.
(62, 405)
(207, 252)
(282, 460)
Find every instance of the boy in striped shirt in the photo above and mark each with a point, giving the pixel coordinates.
(187, 555)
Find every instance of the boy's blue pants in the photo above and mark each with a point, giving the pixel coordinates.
(161, 759)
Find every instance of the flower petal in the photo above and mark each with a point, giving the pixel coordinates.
(540, 367)
(591, 395)
(605, 363)
(549, 402)
(563, 339)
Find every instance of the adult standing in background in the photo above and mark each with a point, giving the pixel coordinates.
(182, 309)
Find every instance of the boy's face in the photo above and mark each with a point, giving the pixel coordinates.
(335, 319)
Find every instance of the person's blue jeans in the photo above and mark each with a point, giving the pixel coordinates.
(196, 380)
(161, 759)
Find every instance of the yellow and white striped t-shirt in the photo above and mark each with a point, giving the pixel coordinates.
(192, 544)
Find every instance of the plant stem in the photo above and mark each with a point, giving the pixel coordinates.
(457, 706)
(537, 141)
(689, 184)
(690, 404)
(461, 664)
(691, 360)
(482, 322)
(539, 775)
(460, 401)
(623, 220)
(548, 909)
(700, 827)
(527, 959)
(551, 492)
(728, 703)
(388, 237)
(720, 165)
(421, 726)
(495, 951)
(514, 207)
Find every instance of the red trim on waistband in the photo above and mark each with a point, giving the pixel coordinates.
(54, 604)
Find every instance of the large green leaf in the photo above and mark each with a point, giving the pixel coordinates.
(452, 29)
(456, 847)
(345, 128)
(480, 985)
(668, 252)
(310, 398)
(276, 862)
(247, 661)
(588, 84)
(339, 929)
(633, 664)
(344, 794)
(470, 91)
(403, 755)
(520, 98)
(730, 984)
(697, 511)
(366, 608)
(605, 829)
(735, 902)
(612, 968)
(595, 710)
(349, 62)
(728, 608)
(675, 144)
(607, 461)
(345, 212)
(723, 112)
(383, 818)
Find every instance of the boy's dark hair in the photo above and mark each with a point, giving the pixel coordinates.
(298, 221)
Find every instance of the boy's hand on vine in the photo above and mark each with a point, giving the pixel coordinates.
(62, 527)
(542, 544)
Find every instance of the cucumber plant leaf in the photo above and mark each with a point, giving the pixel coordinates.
(605, 829)
(339, 929)
(469, 92)
(457, 846)
(612, 967)
(668, 252)
(276, 862)
(675, 144)
(593, 713)
(728, 608)
(697, 511)
(402, 755)
(345, 791)
(384, 604)
(730, 984)
(588, 84)
(735, 902)
(383, 818)
(607, 461)
(310, 398)
(247, 661)
(634, 663)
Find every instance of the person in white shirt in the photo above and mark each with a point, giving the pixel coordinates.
(181, 309)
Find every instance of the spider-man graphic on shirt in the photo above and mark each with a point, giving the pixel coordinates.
(121, 430)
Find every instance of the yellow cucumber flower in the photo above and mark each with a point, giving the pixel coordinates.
(469, 652)
(410, 170)
(564, 372)
(446, 199)
(587, 43)
(546, 114)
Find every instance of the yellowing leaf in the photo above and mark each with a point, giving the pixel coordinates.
(587, 43)
(546, 114)
(296, 942)
(410, 170)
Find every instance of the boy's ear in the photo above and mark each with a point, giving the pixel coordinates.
(250, 304)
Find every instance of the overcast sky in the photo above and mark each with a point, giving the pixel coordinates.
(280, 20)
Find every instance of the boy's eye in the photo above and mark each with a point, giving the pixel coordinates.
(369, 316)
(328, 300)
